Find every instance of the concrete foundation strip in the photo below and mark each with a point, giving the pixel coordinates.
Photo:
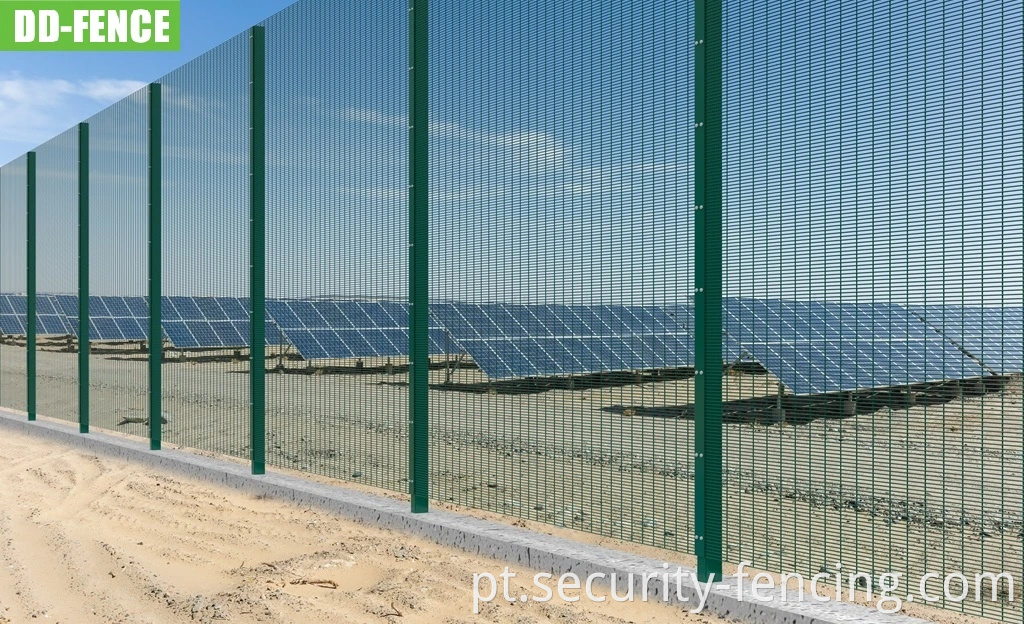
(505, 543)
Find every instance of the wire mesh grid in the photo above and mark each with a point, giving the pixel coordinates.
(871, 276)
(873, 176)
(57, 275)
(13, 272)
(205, 250)
(119, 271)
(560, 255)
(336, 395)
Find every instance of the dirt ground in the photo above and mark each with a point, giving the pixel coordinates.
(88, 539)
(929, 483)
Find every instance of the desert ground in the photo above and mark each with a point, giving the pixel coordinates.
(927, 481)
(89, 539)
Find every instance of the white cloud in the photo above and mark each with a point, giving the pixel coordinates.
(544, 166)
(32, 110)
(107, 91)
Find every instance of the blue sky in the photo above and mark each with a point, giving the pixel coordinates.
(43, 93)
(871, 152)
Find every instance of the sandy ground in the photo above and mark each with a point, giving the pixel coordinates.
(929, 487)
(90, 539)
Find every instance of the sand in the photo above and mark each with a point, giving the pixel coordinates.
(931, 487)
(90, 539)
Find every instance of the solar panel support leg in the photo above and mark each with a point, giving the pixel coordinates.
(909, 396)
(958, 390)
(850, 404)
(779, 415)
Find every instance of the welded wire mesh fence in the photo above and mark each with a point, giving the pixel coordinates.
(57, 274)
(821, 202)
(873, 282)
(561, 261)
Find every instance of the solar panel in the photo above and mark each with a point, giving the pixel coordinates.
(110, 318)
(13, 314)
(732, 350)
(210, 322)
(993, 335)
(188, 322)
(817, 347)
(345, 329)
(50, 320)
(117, 318)
(509, 340)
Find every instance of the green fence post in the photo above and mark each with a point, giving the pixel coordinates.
(257, 249)
(83, 277)
(708, 287)
(419, 239)
(156, 342)
(30, 286)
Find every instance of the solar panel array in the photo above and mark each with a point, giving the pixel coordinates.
(508, 340)
(993, 335)
(812, 347)
(14, 315)
(188, 322)
(201, 322)
(50, 320)
(345, 329)
(817, 347)
(732, 351)
(110, 318)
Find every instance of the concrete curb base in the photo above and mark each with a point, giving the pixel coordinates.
(505, 543)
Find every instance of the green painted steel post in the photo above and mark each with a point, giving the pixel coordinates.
(257, 249)
(83, 277)
(156, 342)
(419, 239)
(30, 286)
(708, 287)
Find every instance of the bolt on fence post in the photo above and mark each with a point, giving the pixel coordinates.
(30, 285)
(708, 285)
(419, 274)
(257, 249)
(156, 341)
(83, 277)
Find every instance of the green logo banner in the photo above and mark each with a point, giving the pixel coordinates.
(90, 25)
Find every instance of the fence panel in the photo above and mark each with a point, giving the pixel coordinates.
(57, 275)
(119, 271)
(336, 243)
(561, 144)
(205, 219)
(13, 284)
(872, 270)
(873, 273)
